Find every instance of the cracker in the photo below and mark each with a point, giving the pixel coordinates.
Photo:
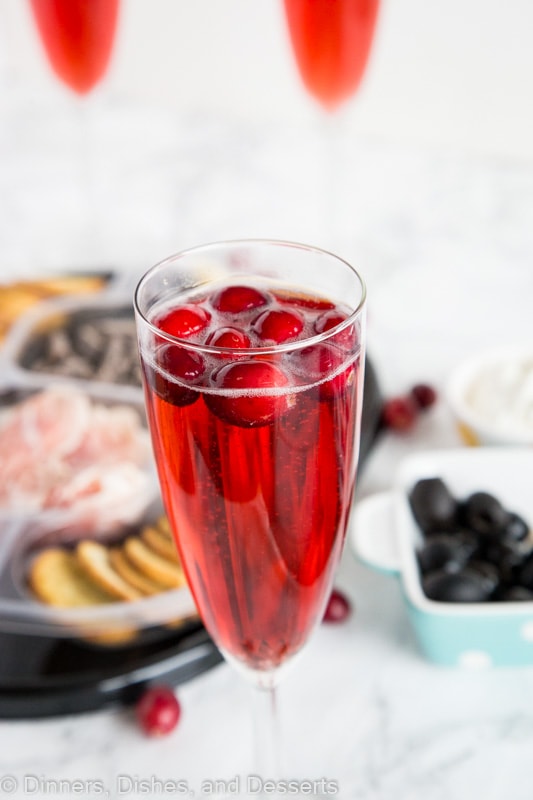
(170, 575)
(163, 525)
(130, 573)
(94, 560)
(159, 542)
(57, 578)
(114, 638)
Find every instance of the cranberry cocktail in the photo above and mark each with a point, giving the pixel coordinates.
(253, 392)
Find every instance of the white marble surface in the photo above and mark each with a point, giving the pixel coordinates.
(446, 244)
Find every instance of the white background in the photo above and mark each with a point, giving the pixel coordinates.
(202, 131)
(457, 73)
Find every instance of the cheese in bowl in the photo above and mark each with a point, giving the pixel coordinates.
(491, 396)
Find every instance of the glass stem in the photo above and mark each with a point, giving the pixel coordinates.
(267, 738)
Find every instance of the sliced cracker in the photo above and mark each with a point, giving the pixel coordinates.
(152, 565)
(160, 543)
(94, 560)
(163, 525)
(57, 578)
(114, 638)
(129, 572)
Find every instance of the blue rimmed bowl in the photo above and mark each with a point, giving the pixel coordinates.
(385, 536)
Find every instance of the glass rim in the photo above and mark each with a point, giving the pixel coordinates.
(283, 347)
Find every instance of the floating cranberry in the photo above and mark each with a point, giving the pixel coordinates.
(330, 319)
(338, 608)
(185, 366)
(423, 395)
(318, 361)
(277, 325)
(399, 413)
(158, 711)
(304, 301)
(230, 338)
(245, 406)
(184, 321)
(235, 299)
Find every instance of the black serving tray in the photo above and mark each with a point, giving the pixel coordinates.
(45, 676)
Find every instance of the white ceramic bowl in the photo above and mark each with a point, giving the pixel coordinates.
(491, 397)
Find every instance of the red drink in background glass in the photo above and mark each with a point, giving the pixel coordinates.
(331, 41)
(78, 37)
(256, 458)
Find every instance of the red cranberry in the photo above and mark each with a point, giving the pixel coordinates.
(234, 299)
(176, 362)
(318, 361)
(423, 395)
(277, 325)
(303, 301)
(158, 711)
(338, 608)
(245, 408)
(183, 321)
(399, 413)
(230, 338)
(330, 319)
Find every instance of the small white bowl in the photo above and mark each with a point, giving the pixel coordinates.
(491, 397)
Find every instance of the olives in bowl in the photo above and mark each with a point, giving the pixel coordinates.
(473, 549)
(455, 529)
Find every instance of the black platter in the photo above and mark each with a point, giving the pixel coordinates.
(45, 676)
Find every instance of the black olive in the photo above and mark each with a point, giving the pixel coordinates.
(516, 528)
(516, 594)
(489, 572)
(485, 515)
(447, 551)
(438, 552)
(525, 573)
(433, 506)
(508, 557)
(467, 586)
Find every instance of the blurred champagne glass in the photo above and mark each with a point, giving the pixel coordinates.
(331, 41)
(78, 38)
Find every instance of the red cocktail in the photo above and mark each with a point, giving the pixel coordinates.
(78, 37)
(331, 41)
(252, 356)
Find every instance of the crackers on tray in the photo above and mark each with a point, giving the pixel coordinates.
(18, 297)
(93, 573)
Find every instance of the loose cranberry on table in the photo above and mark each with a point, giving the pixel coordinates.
(158, 711)
(401, 413)
(338, 608)
(424, 395)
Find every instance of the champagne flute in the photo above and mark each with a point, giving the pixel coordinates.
(331, 41)
(253, 361)
(78, 37)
